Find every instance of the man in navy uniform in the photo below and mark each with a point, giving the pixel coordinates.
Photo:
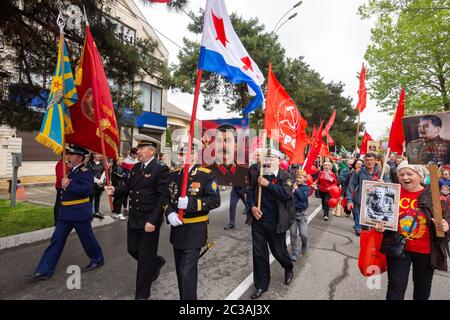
(75, 212)
(190, 234)
(147, 191)
(270, 222)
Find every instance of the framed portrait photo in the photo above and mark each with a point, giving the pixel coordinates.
(380, 202)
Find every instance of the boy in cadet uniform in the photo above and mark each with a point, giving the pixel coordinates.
(190, 234)
(75, 212)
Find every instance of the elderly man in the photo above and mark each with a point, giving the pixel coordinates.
(271, 221)
(148, 190)
(430, 147)
(380, 206)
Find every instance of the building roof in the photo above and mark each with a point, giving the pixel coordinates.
(175, 112)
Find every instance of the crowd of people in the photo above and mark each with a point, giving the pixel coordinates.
(276, 200)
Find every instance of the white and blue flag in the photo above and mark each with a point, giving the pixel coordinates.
(222, 52)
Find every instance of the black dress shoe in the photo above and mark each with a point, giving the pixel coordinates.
(37, 277)
(92, 266)
(288, 275)
(229, 226)
(258, 293)
(159, 264)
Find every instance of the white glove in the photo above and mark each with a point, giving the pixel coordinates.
(182, 202)
(173, 219)
(97, 181)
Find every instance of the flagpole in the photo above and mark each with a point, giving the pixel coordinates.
(357, 129)
(384, 164)
(60, 23)
(261, 165)
(102, 139)
(191, 138)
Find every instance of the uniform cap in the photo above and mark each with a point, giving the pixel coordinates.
(76, 149)
(145, 141)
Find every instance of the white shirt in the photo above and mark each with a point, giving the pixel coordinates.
(146, 163)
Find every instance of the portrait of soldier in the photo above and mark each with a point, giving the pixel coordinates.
(430, 147)
(228, 172)
(380, 205)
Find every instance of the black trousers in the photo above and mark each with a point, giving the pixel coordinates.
(143, 247)
(94, 198)
(117, 204)
(186, 265)
(398, 275)
(325, 196)
(262, 235)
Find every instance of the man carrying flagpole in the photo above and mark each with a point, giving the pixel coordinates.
(76, 210)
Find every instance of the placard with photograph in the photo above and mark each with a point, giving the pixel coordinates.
(380, 202)
(373, 146)
(427, 138)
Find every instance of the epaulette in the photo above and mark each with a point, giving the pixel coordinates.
(175, 170)
(161, 163)
(84, 169)
(203, 169)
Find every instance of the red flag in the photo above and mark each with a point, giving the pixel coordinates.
(397, 136)
(362, 92)
(283, 121)
(366, 138)
(324, 151)
(93, 115)
(314, 150)
(330, 140)
(329, 123)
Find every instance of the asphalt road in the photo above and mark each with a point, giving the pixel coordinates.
(328, 272)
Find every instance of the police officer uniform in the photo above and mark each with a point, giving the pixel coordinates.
(147, 191)
(188, 239)
(75, 212)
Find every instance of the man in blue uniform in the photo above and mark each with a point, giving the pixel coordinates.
(75, 212)
(190, 234)
(147, 191)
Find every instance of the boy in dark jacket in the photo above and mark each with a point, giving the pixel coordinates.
(301, 192)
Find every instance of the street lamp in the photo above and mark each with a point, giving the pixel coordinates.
(284, 15)
(291, 17)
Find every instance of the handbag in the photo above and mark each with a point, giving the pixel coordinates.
(371, 261)
(394, 246)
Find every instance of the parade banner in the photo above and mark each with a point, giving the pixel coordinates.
(225, 150)
(57, 120)
(365, 140)
(93, 117)
(283, 122)
(427, 138)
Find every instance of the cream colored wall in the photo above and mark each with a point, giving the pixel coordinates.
(37, 168)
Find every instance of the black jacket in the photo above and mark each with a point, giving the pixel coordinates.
(203, 196)
(285, 203)
(439, 246)
(147, 191)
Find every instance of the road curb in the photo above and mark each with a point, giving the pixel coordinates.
(43, 234)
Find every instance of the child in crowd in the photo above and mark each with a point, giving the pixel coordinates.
(301, 192)
(445, 195)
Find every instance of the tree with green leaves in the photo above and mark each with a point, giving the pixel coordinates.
(313, 97)
(410, 48)
(29, 33)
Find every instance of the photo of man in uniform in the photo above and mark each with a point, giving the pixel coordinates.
(380, 206)
(228, 172)
(430, 146)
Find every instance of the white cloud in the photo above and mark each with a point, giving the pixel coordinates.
(328, 33)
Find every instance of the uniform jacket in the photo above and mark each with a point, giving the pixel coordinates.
(203, 196)
(147, 191)
(439, 246)
(282, 191)
(421, 152)
(79, 188)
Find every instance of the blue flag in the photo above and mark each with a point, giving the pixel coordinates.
(63, 94)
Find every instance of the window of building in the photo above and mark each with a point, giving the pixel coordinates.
(125, 140)
(151, 98)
